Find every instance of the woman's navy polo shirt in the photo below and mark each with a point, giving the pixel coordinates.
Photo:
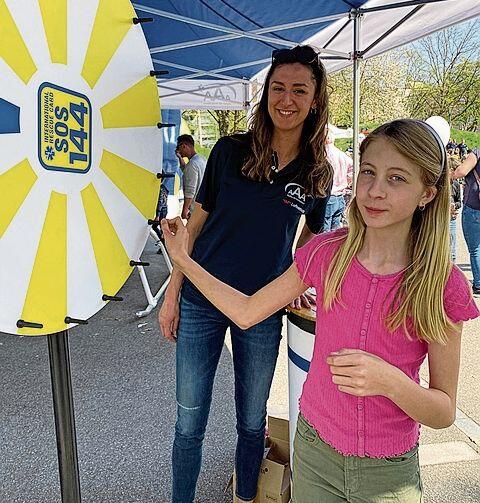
(247, 238)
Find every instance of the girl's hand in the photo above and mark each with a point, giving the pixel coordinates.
(176, 239)
(359, 373)
(305, 300)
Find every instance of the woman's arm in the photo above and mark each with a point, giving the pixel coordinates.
(194, 226)
(245, 311)
(466, 166)
(364, 374)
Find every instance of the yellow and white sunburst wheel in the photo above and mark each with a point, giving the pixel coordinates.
(79, 155)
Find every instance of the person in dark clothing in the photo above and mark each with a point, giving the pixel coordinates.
(451, 146)
(462, 149)
(470, 170)
(455, 205)
(256, 187)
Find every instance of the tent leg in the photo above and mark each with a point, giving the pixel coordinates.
(356, 92)
(64, 417)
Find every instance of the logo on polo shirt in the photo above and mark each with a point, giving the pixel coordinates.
(295, 196)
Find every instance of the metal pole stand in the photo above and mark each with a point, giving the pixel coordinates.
(64, 416)
(153, 299)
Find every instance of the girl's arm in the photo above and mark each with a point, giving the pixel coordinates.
(434, 406)
(363, 374)
(169, 313)
(245, 311)
(305, 235)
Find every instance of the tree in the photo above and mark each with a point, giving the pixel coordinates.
(209, 125)
(382, 91)
(444, 73)
(229, 121)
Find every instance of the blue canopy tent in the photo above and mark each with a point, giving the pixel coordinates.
(216, 51)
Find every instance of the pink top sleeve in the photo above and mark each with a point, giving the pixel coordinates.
(312, 258)
(303, 260)
(458, 301)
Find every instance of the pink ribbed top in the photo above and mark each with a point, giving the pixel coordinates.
(364, 426)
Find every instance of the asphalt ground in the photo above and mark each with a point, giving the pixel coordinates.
(123, 385)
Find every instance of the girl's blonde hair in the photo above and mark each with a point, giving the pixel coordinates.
(418, 302)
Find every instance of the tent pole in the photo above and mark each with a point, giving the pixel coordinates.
(356, 16)
(246, 95)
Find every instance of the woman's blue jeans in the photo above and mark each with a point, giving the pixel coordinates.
(200, 338)
(471, 233)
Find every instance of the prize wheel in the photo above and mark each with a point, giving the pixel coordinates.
(80, 152)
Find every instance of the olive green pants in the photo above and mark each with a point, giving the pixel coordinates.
(323, 475)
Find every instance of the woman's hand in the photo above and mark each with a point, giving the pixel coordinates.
(168, 318)
(305, 300)
(176, 239)
(359, 373)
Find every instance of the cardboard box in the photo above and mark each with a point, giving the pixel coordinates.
(274, 479)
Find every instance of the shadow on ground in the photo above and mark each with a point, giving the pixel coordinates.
(123, 384)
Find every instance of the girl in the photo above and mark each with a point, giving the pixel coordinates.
(388, 296)
(256, 187)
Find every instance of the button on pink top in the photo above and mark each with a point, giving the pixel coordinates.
(364, 426)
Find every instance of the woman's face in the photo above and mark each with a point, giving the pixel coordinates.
(389, 187)
(291, 94)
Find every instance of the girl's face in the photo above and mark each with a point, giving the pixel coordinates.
(291, 94)
(389, 187)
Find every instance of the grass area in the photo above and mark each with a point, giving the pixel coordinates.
(205, 151)
(472, 139)
(343, 143)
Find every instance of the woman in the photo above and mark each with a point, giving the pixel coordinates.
(470, 169)
(256, 187)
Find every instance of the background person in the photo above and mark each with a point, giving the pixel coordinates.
(193, 171)
(161, 211)
(451, 146)
(470, 170)
(462, 149)
(455, 205)
(256, 187)
(342, 166)
(388, 297)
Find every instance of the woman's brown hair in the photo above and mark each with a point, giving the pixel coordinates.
(316, 173)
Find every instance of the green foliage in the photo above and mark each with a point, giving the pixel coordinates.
(444, 76)
(343, 143)
(205, 151)
(471, 139)
(382, 91)
(229, 121)
(209, 125)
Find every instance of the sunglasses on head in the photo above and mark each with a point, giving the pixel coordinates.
(300, 54)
